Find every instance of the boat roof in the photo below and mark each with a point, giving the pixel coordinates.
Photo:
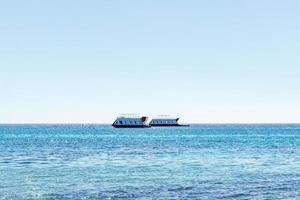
(131, 116)
(164, 117)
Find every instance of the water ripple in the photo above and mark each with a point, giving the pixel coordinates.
(199, 162)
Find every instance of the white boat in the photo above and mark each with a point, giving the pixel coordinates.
(165, 120)
(131, 121)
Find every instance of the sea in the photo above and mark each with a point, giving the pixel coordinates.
(205, 161)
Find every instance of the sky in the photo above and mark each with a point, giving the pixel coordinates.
(206, 61)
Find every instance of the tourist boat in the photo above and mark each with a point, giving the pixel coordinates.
(131, 122)
(164, 120)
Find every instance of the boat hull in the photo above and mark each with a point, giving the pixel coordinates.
(130, 126)
(157, 125)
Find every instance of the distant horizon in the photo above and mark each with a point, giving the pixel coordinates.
(191, 123)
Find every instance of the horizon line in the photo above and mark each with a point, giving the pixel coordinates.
(192, 123)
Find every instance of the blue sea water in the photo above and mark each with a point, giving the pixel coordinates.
(196, 162)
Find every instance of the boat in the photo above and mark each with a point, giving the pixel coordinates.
(164, 120)
(131, 122)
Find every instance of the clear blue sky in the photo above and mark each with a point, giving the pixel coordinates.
(204, 60)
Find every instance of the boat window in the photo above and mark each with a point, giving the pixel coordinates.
(121, 122)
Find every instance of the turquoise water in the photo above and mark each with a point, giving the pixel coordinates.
(197, 162)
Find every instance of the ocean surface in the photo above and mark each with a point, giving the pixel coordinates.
(196, 162)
